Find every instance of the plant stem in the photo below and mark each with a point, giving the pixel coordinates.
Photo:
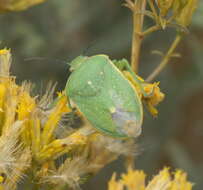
(130, 162)
(165, 59)
(137, 37)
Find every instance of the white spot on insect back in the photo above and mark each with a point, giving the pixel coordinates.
(101, 73)
(89, 82)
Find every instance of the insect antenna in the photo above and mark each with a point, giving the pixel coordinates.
(86, 50)
(47, 59)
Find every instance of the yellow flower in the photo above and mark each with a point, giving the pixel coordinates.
(180, 181)
(60, 146)
(115, 185)
(154, 99)
(17, 5)
(25, 106)
(134, 179)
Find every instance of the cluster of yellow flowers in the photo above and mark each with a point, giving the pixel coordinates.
(35, 142)
(135, 180)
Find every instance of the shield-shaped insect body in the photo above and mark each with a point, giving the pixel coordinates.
(105, 97)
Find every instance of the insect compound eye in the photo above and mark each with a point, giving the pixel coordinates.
(126, 122)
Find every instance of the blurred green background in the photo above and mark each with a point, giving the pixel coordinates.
(45, 37)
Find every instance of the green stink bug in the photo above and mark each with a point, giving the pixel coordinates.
(105, 97)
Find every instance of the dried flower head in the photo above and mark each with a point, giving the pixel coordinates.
(69, 173)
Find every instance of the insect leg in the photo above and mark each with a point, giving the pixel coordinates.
(124, 65)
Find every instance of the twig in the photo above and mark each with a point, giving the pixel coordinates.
(151, 29)
(165, 59)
